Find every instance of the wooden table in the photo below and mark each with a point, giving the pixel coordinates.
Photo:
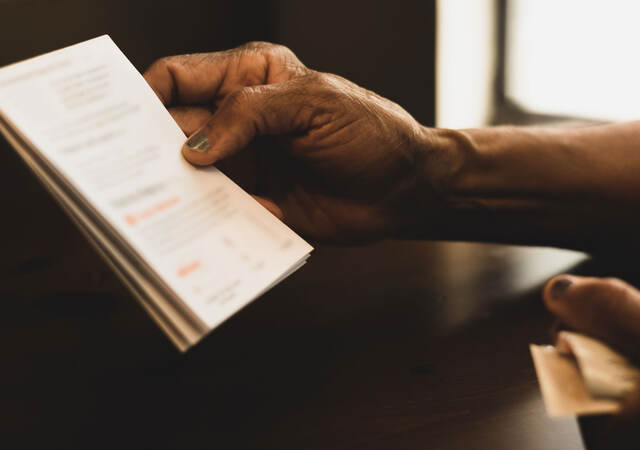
(399, 345)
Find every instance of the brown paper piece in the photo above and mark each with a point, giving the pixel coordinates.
(605, 372)
(563, 388)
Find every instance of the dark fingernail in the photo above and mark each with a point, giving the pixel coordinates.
(199, 142)
(559, 287)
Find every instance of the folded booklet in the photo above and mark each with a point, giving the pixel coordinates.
(191, 245)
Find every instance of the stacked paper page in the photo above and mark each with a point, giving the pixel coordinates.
(192, 245)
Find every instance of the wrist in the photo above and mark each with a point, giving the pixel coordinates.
(444, 160)
(525, 186)
(450, 162)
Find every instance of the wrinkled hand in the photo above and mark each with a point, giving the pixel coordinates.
(344, 163)
(608, 309)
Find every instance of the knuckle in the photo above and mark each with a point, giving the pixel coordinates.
(172, 63)
(609, 287)
(269, 49)
(241, 98)
(159, 64)
(333, 84)
(326, 82)
(256, 45)
(616, 284)
(323, 78)
(332, 90)
(613, 281)
(265, 48)
(283, 51)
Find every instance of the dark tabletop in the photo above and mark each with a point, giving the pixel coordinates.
(398, 345)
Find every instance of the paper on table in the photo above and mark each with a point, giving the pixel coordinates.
(89, 114)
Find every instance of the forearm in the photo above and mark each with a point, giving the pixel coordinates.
(577, 188)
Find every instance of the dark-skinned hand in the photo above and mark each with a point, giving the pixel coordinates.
(607, 309)
(344, 163)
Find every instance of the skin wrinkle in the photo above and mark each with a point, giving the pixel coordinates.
(267, 70)
(222, 82)
(174, 93)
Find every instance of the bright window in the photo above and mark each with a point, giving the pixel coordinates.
(574, 57)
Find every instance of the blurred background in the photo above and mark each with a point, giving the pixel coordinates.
(454, 63)
(535, 62)
(385, 46)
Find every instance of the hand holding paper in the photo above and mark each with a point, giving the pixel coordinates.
(583, 375)
(190, 244)
(346, 164)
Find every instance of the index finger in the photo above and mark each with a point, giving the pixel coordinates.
(205, 77)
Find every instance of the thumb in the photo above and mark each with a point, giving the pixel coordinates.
(606, 308)
(241, 117)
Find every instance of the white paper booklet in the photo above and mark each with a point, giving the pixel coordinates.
(191, 245)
